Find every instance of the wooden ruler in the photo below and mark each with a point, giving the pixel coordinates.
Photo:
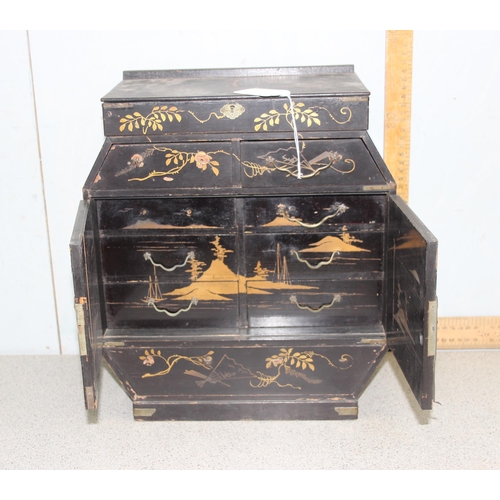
(482, 332)
(398, 86)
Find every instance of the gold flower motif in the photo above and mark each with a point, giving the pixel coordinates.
(202, 160)
(136, 161)
(148, 360)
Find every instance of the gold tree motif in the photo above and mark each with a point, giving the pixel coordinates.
(195, 270)
(153, 120)
(260, 271)
(304, 360)
(219, 251)
(180, 159)
(308, 116)
(272, 118)
(151, 357)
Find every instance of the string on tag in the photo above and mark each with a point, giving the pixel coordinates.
(279, 93)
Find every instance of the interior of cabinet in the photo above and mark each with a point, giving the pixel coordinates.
(246, 265)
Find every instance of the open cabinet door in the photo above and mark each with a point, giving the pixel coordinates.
(411, 308)
(87, 305)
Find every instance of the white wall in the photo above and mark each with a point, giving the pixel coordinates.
(452, 171)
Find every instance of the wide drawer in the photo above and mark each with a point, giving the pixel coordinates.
(318, 368)
(238, 114)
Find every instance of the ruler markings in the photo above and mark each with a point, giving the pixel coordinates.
(398, 88)
(481, 332)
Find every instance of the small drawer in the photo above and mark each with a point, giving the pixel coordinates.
(165, 167)
(192, 215)
(314, 303)
(184, 305)
(339, 163)
(298, 256)
(314, 213)
(170, 257)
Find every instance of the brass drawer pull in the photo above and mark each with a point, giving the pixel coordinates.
(293, 300)
(317, 266)
(291, 166)
(147, 256)
(151, 302)
(339, 208)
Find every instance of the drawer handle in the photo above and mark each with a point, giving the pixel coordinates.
(316, 165)
(293, 300)
(339, 208)
(151, 302)
(315, 266)
(147, 256)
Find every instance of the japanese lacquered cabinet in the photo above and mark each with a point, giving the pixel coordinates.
(240, 256)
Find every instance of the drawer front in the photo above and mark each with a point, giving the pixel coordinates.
(171, 281)
(162, 215)
(338, 163)
(315, 213)
(235, 115)
(166, 167)
(170, 257)
(300, 255)
(184, 306)
(308, 303)
(315, 368)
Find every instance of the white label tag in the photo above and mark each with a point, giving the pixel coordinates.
(264, 92)
(279, 93)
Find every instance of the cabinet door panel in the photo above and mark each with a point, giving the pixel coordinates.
(411, 314)
(84, 264)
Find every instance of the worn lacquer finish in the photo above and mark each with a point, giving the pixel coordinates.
(225, 284)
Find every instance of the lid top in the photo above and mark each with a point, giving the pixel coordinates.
(222, 83)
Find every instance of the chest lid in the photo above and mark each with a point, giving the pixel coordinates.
(325, 98)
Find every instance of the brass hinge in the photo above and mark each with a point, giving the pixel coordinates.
(80, 321)
(432, 328)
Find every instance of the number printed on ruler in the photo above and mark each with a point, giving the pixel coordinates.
(481, 332)
(398, 78)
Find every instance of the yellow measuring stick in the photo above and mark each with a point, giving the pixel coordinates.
(481, 332)
(398, 86)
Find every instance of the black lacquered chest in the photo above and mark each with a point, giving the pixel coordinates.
(245, 255)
